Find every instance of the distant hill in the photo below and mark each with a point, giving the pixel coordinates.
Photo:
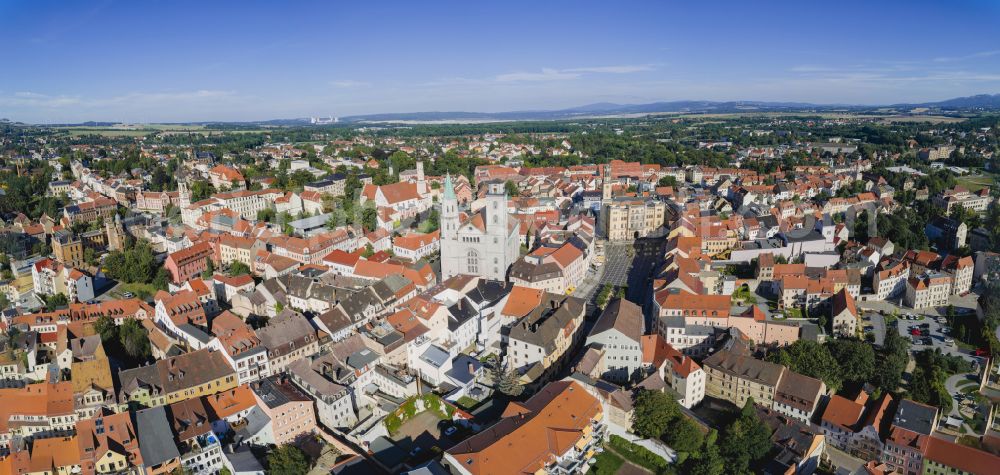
(597, 110)
(981, 102)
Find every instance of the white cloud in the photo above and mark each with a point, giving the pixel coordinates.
(626, 69)
(552, 74)
(349, 83)
(981, 54)
(547, 74)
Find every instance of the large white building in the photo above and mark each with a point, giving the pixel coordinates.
(485, 244)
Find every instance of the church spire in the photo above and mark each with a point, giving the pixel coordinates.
(449, 190)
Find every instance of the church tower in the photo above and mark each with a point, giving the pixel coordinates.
(449, 209)
(184, 194)
(115, 233)
(421, 184)
(496, 209)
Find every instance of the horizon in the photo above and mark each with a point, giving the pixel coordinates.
(245, 62)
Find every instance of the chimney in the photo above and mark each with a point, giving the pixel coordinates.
(472, 368)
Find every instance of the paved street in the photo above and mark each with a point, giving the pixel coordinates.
(618, 261)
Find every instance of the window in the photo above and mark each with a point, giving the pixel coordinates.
(472, 261)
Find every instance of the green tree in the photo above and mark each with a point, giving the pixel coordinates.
(652, 413)
(511, 188)
(55, 301)
(237, 268)
(133, 264)
(209, 270)
(106, 327)
(201, 189)
(708, 462)
(369, 216)
(506, 381)
(856, 359)
(683, 435)
(134, 339)
(287, 460)
(668, 180)
(811, 359)
(745, 441)
(893, 359)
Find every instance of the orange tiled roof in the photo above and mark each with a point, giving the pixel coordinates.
(531, 435)
(522, 300)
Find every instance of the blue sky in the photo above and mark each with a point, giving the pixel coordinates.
(154, 61)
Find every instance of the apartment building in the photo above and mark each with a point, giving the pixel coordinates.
(619, 332)
(678, 370)
(287, 338)
(626, 218)
(927, 290)
(908, 436)
(736, 377)
(855, 425)
(241, 347)
(188, 263)
(960, 196)
(536, 344)
(179, 378)
(524, 439)
(238, 249)
(889, 279)
(37, 410)
(289, 408)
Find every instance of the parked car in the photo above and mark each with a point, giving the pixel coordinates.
(128, 295)
(450, 431)
(949, 341)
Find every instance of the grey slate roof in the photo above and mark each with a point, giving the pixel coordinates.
(915, 417)
(621, 315)
(156, 441)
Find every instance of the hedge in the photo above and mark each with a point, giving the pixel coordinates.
(638, 454)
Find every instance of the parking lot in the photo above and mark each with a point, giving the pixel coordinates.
(875, 324)
(932, 335)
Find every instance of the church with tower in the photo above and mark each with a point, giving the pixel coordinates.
(483, 244)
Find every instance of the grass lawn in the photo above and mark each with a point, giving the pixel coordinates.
(968, 389)
(794, 312)
(607, 463)
(975, 183)
(140, 290)
(466, 402)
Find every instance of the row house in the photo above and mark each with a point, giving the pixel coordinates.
(287, 337)
(178, 378)
(36, 410)
(678, 370)
(188, 263)
(855, 425)
(238, 343)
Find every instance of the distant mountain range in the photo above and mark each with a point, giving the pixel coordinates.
(978, 102)
(981, 102)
